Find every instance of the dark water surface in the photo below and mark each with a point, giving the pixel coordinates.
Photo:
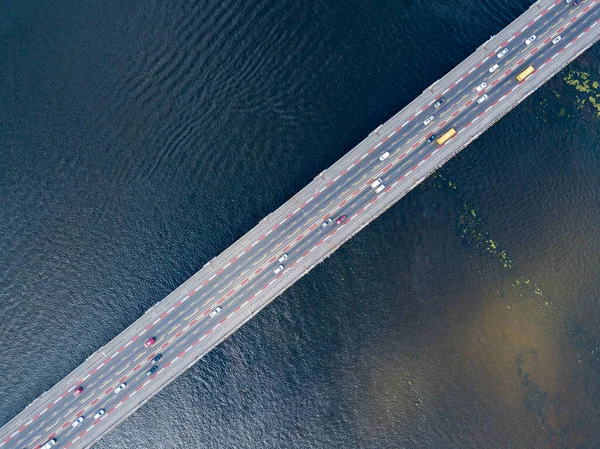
(139, 139)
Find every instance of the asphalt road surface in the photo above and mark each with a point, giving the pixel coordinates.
(242, 280)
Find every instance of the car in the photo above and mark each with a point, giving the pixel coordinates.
(49, 444)
(341, 219)
(327, 223)
(440, 102)
(482, 98)
(157, 357)
(384, 156)
(283, 257)
(493, 68)
(376, 183)
(99, 414)
(576, 2)
(502, 52)
(481, 87)
(556, 40)
(152, 370)
(530, 39)
(150, 342)
(428, 120)
(212, 315)
(568, 1)
(379, 189)
(431, 138)
(77, 391)
(120, 387)
(77, 421)
(279, 269)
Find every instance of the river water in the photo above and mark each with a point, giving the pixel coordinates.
(140, 139)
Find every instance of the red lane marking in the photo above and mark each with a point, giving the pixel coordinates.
(190, 294)
(137, 367)
(83, 433)
(561, 29)
(561, 50)
(329, 183)
(206, 312)
(237, 308)
(587, 29)
(505, 43)
(388, 189)
(403, 176)
(454, 114)
(277, 225)
(230, 292)
(22, 428)
(495, 82)
(110, 358)
(585, 9)
(139, 388)
(245, 281)
(357, 161)
(289, 216)
(258, 271)
(479, 65)
(414, 168)
(344, 171)
(438, 97)
(205, 282)
(300, 237)
(557, 2)
(573, 20)
(507, 72)
(452, 87)
(223, 320)
(370, 181)
(209, 331)
(164, 345)
(220, 270)
(428, 156)
(495, 103)
(69, 443)
(265, 287)
(443, 123)
(251, 298)
(333, 232)
(468, 103)
(36, 417)
(403, 155)
(313, 227)
(179, 334)
(196, 342)
(398, 129)
(544, 11)
(8, 439)
(285, 250)
(374, 199)
(387, 168)
(411, 118)
(108, 390)
(221, 301)
(52, 435)
(180, 354)
(548, 60)
(164, 314)
(272, 259)
(122, 379)
(535, 50)
(574, 39)
(360, 211)
(249, 248)
(342, 203)
(316, 194)
(64, 394)
(152, 377)
(531, 23)
(193, 322)
(50, 406)
(521, 61)
(168, 364)
(465, 75)
(65, 425)
(306, 253)
(95, 401)
(481, 114)
(415, 145)
(233, 260)
(111, 410)
(135, 338)
(320, 242)
(490, 55)
(371, 150)
(517, 33)
(547, 40)
(124, 399)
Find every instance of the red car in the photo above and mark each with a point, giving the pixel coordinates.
(78, 391)
(149, 342)
(342, 219)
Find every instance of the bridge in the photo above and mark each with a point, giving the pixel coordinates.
(230, 289)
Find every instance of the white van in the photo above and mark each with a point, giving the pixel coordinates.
(376, 183)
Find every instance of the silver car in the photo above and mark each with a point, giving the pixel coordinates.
(428, 120)
(279, 269)
(215, 312)
(502, 52)
(283, 257)
(530, 39)
(481, 87)
(494, 68)
(99, 414)
(327, 222)
(78, 421)
(120, 387)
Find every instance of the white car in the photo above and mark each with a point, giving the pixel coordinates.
(428, 120)
(78, 421)
(380, 189)
(482, 98)
(120, 387)
(494, 68)
(384, 156)
(481, 87)
(556, 40)
(49, 444)
(530, 39)
(502, 52)
(376, 183)
(283, 257)
(215, 312)
(99, 414)
(279, 269)
(327, 222)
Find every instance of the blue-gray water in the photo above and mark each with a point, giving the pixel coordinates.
(139, 139)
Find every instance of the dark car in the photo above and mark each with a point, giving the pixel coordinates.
(157, 358)
(342, 219)
(151, 371)
(576, 2)
(431, 138)
(440, 102)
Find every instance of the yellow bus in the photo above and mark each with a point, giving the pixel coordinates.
(447, 135)
(525, 73)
